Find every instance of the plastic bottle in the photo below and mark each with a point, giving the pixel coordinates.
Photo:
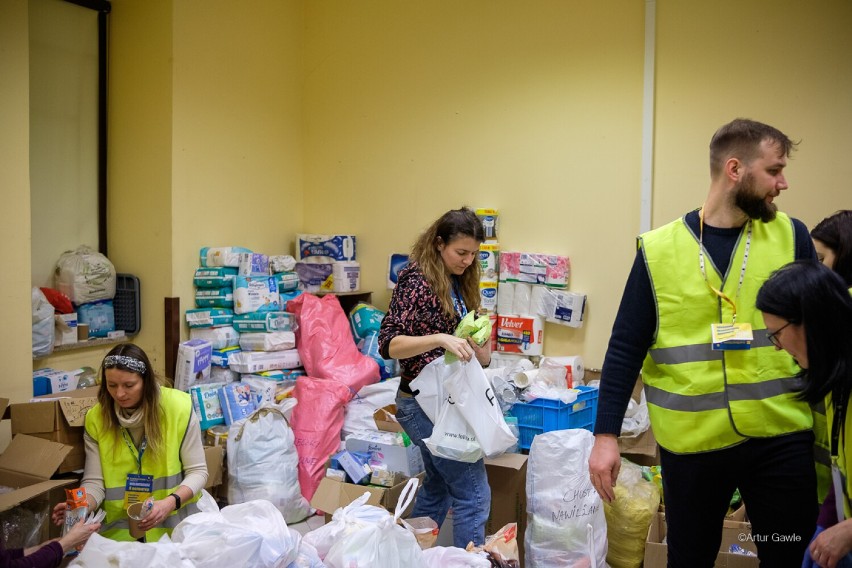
(512, 423)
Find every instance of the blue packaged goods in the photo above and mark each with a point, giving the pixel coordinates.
(264, 322)
(219, 357)
(365, 319)
(253, 264)
(214, 277)
(214, 297)
(237, 402)
(370, 347)
(209, 317)
(315, 276)
(99, 316)
(331, 247)
(205, 403)
(396, 262)
(256, 294)
(193, 363)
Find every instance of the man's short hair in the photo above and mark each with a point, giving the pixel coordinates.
(741, 139)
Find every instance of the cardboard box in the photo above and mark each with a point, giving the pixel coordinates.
(215, 457)
(58, 418)
(332, 494)
(404, 459)
(385, 419)
(507, 476)
(733, 532)
(27, 465)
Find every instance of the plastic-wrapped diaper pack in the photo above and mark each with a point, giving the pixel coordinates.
(268, 341)
(221, 256)
(209, 317)
(264, 321)
(100, 317)
(237, 402)
(256, 294)
(219, 337)
(214, 277)
(257, 361)
(193, 363)
(205, 403)
(214, 297)
(219, 356)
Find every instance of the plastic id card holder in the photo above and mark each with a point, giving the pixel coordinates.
(137, 488)
(731, 336)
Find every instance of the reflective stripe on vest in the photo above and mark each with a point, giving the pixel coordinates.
(822, 451)
(843, 452)
(167, 469)
(700, 399)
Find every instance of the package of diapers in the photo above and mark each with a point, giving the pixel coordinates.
(209, 317)
(214, 277)
(328, 247)
(205, 403)
(262, 388)
(256, 294)
(237, 402)
(313, 276)
(214, 297)
(223, 375)
(268, 341)
(282, 263)
(85, 275)
(219, 337)
(258, 361)
(100, 316)
(264, 321)
(219, 357)
(253, 264)
(221, 256)
(287, 280)
(193, 363)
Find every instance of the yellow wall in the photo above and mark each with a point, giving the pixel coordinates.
(375, 117)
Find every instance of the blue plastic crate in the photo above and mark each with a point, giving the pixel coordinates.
(544, 415)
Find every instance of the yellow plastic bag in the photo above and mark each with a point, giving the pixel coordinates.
(629, 516)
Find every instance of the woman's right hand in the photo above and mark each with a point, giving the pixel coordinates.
(78, 535)
(58, 514)
(457, 346)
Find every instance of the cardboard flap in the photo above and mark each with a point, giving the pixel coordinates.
(385, 419)
(331, 495)
(4, 408)
(33, 456)
(15, 498)
(74, 404)
(512, 461)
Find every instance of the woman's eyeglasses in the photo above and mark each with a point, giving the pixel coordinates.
(773, 337)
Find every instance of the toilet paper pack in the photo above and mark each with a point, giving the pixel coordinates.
(328, 247)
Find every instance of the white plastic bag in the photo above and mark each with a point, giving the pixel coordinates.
(474, 399)
(566, 525)
(428, 388)
(636, 419)
(263, 463)
(345, 520)
(452, 437)
(100, 551)
(44, 329)
(85, 275)
(246, 534)
(385, 544)
(452, 557)
(358, 412)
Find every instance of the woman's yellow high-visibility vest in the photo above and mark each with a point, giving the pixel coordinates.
(117, 461)
(700, 399)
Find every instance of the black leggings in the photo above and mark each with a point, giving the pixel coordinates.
(777, 481)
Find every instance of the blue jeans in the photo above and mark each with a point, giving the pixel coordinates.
(448, 483)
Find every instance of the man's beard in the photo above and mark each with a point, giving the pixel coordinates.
(746, 198)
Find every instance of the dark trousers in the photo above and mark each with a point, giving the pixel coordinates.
(777, 481)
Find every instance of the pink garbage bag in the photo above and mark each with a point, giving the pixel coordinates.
(316, 422)
(325, 343)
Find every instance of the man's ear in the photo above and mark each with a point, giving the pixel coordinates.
(734, 169)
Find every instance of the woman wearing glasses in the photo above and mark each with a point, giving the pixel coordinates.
(141, 440)
(808, 313)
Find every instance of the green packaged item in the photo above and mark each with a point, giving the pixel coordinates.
(478, 328)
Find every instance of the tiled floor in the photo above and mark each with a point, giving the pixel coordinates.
(309, 524)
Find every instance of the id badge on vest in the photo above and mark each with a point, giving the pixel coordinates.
(731, 336)
(137, 488)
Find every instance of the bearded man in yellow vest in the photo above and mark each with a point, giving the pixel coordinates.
(142, 440)
(722, 401)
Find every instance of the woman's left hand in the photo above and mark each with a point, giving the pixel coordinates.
(162, 508)
(832, 544)
(482, 353)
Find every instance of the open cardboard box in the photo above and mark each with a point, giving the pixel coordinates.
(733, 532)
(215, 457)
(59, 418)
(332, 494)
(507, 476)
(27, 465)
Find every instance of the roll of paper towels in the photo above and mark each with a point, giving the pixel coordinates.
(505, 298)
(576, 370)
(523, 335)
(523, 379)
(521, 302)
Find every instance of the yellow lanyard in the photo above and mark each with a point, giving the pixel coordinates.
(715, 290)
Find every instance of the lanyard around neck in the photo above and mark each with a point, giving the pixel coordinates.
(458, 300)
(136, 455)
(715, 290)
